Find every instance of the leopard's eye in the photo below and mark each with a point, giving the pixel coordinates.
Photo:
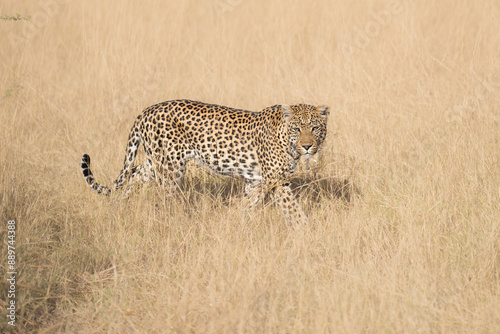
(314, 129)
(297, 130)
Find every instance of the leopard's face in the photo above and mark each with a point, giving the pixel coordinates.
(306, 127)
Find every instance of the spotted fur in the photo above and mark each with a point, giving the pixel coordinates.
(261, 147)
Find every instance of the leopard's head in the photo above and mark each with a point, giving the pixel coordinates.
(306, 127)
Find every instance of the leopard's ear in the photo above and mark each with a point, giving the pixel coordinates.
(287, 112)
(323, 110)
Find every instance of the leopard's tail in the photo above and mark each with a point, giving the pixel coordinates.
(134, 140)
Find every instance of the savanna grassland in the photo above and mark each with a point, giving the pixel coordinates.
(404, 237)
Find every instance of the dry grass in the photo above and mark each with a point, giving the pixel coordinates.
(415, 127)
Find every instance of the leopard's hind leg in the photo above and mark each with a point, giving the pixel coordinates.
(140, 174)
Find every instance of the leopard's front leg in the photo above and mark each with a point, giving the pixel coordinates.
(290, 207)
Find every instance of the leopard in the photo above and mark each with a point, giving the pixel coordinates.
(262, 147)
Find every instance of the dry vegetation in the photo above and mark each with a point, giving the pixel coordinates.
(414, 90)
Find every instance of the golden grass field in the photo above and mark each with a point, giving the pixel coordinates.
(414, 136)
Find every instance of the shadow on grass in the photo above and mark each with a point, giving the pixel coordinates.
(317, 188)
(314, 188)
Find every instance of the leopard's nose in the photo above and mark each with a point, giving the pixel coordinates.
(306, 147)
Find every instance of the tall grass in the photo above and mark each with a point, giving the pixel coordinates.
(414, 133)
